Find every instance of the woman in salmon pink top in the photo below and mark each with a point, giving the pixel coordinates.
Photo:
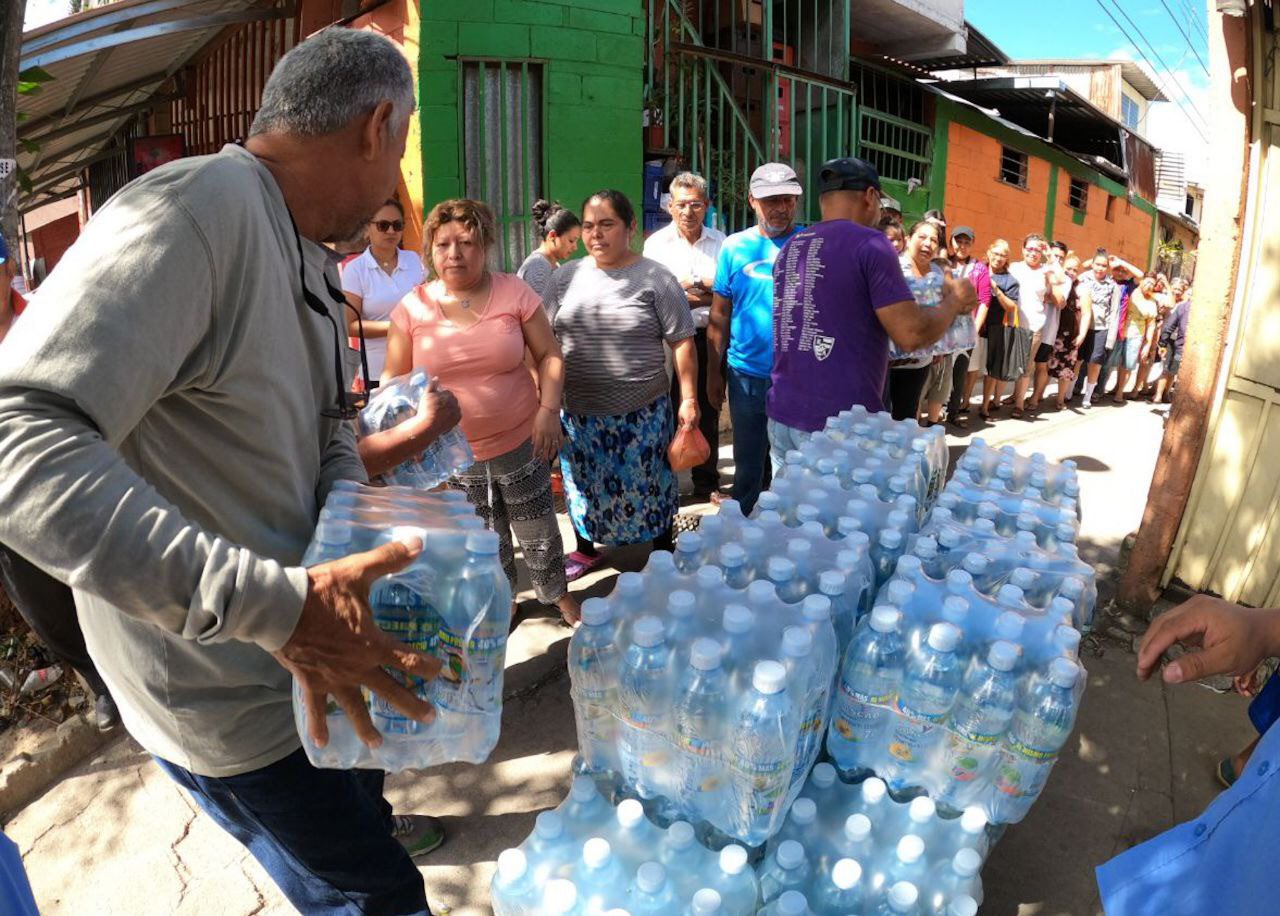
(471, 327)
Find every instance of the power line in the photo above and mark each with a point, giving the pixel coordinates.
(1190, 44)
(1201, 28)
(1170, 75)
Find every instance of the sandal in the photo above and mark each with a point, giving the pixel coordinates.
(1226, 772)
(578, 564)
(1017, 413)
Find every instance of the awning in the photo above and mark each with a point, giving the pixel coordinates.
(108, 64)
(1050, 109)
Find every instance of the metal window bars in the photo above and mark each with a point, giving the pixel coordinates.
(501, 125)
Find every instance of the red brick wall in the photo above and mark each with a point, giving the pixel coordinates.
(976, 197)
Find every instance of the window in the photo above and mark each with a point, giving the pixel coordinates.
(502, 149)
(1129, 111)
(1111, 208)
(1190, 208)
(1013, 167)
(1078, 194)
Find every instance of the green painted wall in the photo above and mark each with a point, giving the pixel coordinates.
(593, 57)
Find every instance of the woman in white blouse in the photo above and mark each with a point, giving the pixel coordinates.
(378, 279)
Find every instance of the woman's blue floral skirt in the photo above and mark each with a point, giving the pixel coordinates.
(617, 482)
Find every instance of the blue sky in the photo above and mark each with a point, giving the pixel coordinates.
(1081, 29)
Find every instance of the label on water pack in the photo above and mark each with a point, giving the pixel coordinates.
(765, 779)
(699, 769)
(468, 681)
(418, 630)
(911, 731)
(810, 735)
(966, 752)
(858, 715)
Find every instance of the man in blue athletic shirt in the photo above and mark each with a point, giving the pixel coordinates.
(740, 336)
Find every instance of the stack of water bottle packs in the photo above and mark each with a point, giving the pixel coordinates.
(964, 681)
(453, 601)
(843, 849)
(391, 405)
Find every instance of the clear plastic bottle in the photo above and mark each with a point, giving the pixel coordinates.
(737, 623)
(929, 687)
(854, 841)
(599, 877)
(733, 559)
(901, 900)
(952, 878)
(807, 685)
(790, 903)
(735, 881)
(685, 860)
(549, 847)
(593, 674)
(1041, 725)
(834, 584)
(585, 812)
(644, 703)
(513, 892)
(874, 801)
(682, 605)
(689, 552)
(560, 898)
(705, 901)
(782, 573)
(963, 905)
(800, 825)
(869, 683)
(651, 893)
(981, 716)
(761, 749)
(787, 869)
(700, 727)
(633, 836)
(840, 891)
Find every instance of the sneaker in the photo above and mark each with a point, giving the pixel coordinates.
(1086, 403)
(105, 713)
(417, 833)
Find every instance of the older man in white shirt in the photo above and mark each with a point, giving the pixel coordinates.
(689, 249)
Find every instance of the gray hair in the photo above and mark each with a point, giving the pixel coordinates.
(690, 181)
(332, 78)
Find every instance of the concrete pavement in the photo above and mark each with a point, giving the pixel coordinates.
(117, 837)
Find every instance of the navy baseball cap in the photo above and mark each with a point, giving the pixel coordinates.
(847, 174)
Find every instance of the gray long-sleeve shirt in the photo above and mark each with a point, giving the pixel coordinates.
(162, 451)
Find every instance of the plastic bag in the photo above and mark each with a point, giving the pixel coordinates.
(688, 449)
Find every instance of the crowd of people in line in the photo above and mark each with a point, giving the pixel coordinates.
(586, 366)
(156, 478)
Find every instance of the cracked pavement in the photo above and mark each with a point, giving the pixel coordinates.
(117, 837)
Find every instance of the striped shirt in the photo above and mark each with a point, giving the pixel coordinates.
(611, 324)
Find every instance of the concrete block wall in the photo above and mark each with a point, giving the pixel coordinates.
(973, 195)
(593, 70)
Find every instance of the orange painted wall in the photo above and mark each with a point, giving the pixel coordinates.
(1128, 234)
(976, 197)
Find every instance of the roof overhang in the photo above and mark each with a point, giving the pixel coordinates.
(979, 51)
(108, 65)
(1131, 71)
(1051, 110)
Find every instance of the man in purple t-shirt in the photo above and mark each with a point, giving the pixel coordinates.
(839, 298)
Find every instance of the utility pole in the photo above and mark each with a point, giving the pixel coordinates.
(11, 16)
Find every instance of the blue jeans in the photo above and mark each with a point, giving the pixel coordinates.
(750, 436)
(782, 439)
(324, 836)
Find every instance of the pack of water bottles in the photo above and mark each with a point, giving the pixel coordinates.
(705, 702)
(391, 405)
(843, 849)
(964, 682)
(858, 448)
(603, 857)
(453, 601)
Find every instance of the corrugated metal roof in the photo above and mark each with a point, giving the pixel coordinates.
(108, 64)
(1133, 73)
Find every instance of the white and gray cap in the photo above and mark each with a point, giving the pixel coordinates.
(773, 179)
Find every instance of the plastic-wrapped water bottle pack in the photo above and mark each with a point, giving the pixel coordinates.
(843, 849)
(856, 448)
(706, 703)
(391, 405)
(453, 601)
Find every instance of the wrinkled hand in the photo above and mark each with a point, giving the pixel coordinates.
(688, 413)
(715, 387)
(547, 434)
(1230, 640)
(337, 648)
(438, 410)
(958, 293)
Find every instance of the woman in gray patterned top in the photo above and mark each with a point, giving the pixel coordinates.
(612, 312)
(560, 230)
